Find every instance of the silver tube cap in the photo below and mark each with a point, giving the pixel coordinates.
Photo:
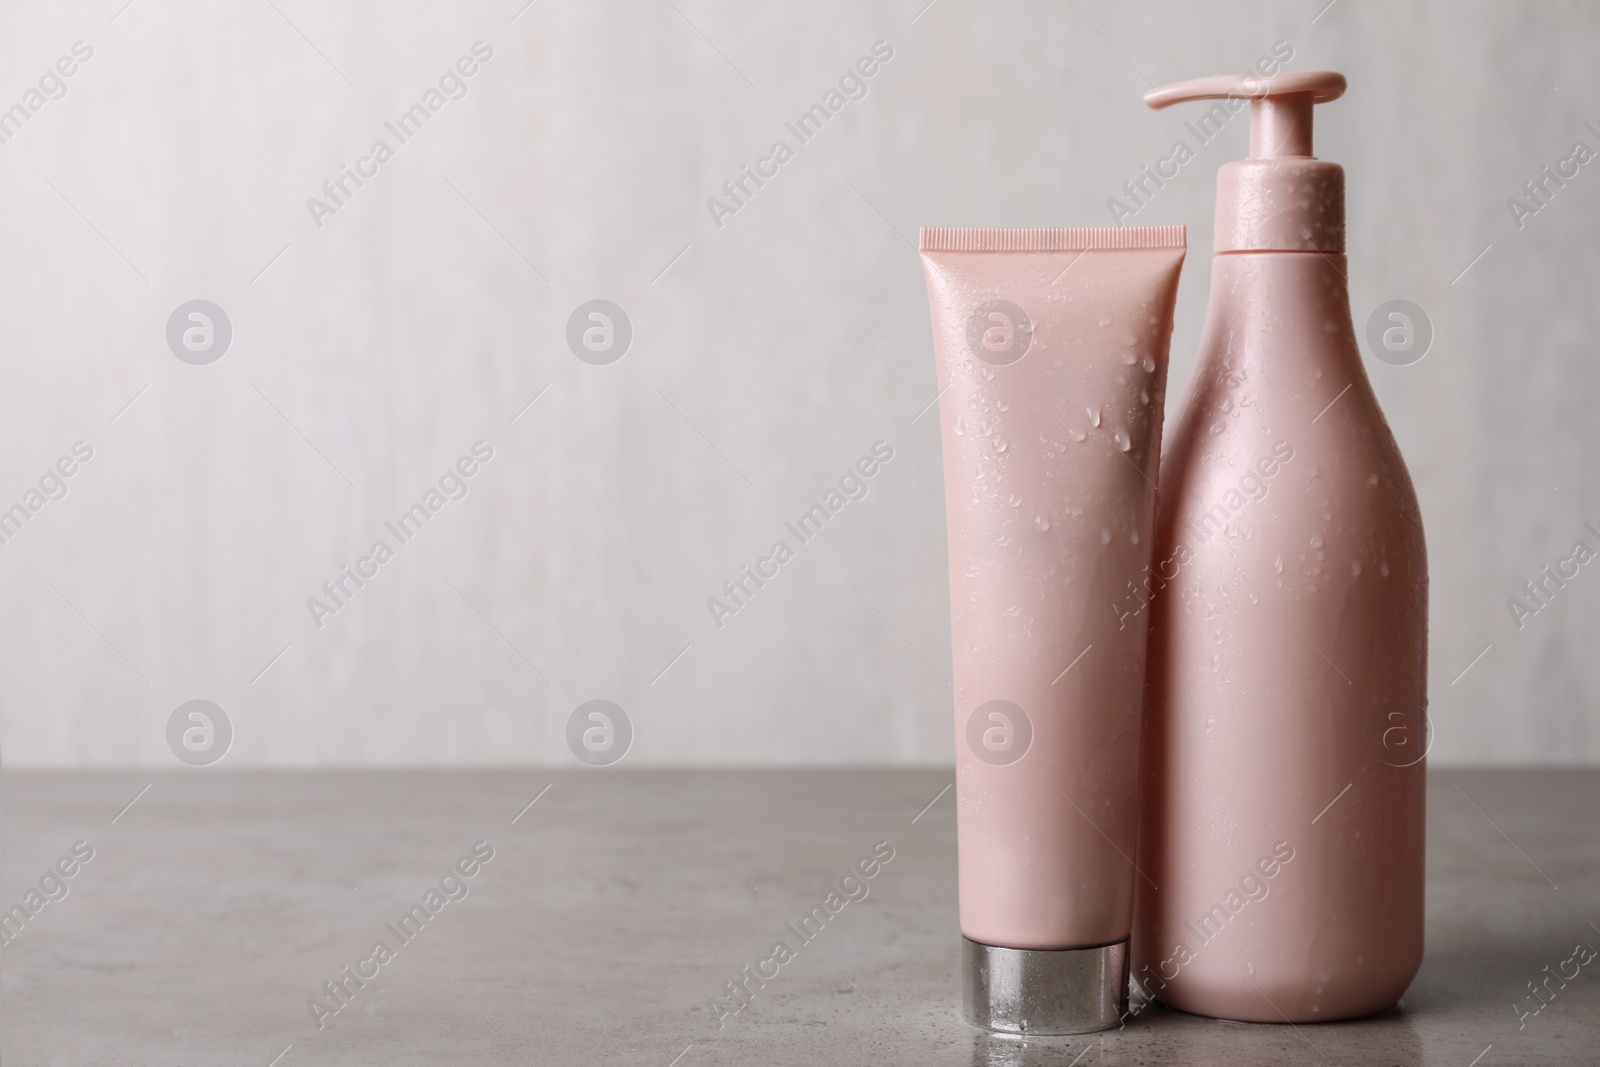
(1044, 991)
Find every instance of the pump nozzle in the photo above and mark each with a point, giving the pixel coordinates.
(1281, 198)
(1280, 106)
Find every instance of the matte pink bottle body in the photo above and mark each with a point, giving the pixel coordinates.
(1288, 670)
(1282, 829)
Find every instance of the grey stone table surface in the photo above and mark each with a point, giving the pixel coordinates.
(614, 911)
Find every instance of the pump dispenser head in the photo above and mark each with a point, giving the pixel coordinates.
(1282, 198)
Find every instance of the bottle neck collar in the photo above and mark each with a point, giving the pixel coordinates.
(1282, 204)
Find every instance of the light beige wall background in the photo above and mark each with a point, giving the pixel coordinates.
(766, 357)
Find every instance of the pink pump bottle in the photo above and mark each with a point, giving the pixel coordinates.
(1281, 835)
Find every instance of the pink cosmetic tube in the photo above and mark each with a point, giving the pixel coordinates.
(1052, 356)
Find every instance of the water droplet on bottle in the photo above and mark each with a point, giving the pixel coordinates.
(1120, 439)
(1130, 357)
(1280, 565)
(960, 428)
(1316, 541)
(1105, 535)
(1249, 968)
(999, 443)
(1015, 501)
(1041, 522)
(1134, 536)
(1079, 435)
(1105, 320)
(1355, 568)
(1148, 363)
(1383, 568)
(1094, 416)
(1001, 406)
(1013, 611)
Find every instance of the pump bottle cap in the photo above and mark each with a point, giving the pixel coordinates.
(1282, 198)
